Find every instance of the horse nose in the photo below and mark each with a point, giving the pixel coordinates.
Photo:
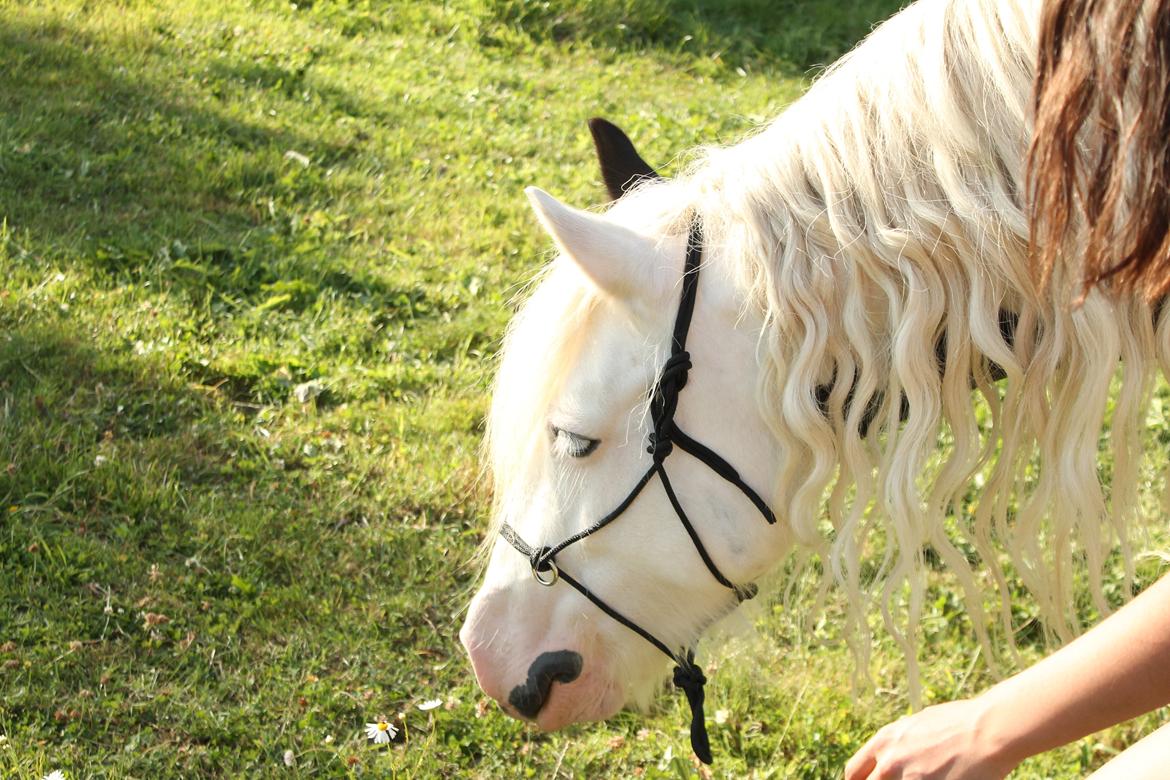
(561, 666)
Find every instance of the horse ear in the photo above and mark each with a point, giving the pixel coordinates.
(621, 166)
(608, 253)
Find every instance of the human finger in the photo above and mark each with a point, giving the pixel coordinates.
(863, 761)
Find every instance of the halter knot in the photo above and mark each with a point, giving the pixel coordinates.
(688, 675)
(746, 592)
(664, 401)
(690, 678)
(674, 371)
(658, 443)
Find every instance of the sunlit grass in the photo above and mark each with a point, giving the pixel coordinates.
(256, 262)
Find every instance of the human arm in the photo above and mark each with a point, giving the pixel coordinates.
(1119, 669)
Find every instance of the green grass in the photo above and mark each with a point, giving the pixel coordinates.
(256, 260)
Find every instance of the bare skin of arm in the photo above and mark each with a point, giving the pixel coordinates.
(1116, 671)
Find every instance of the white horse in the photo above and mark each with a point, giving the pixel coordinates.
(864, 290)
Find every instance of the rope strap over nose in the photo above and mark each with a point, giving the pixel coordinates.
(690, 678)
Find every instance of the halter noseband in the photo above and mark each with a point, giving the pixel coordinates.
(661, 442)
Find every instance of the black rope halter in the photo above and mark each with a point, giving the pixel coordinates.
(661, 442)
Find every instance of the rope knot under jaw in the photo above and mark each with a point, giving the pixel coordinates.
(690, 678)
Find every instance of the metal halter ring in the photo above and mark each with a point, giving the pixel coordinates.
(552, 574)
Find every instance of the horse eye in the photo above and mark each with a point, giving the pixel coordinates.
(575, 445)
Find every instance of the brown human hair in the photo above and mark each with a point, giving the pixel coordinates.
(1099, 164)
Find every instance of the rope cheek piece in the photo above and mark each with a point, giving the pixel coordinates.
(688, 676)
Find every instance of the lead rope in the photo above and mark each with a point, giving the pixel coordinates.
(688, 676)
(691, 679)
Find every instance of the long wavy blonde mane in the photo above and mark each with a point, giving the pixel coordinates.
(879, 225)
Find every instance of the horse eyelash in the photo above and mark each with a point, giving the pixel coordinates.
(577, 446)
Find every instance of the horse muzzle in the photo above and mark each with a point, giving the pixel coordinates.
(553, 680)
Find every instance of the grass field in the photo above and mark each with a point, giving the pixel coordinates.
(256, 258)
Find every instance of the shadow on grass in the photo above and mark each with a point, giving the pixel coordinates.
(93, 438)
(158, 170)
(104, 161)
(97, 149)
(107, 465)
(144, 547)
(790, 35)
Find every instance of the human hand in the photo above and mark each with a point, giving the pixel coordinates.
(952, 741)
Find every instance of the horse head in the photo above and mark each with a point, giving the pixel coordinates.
(581, 393)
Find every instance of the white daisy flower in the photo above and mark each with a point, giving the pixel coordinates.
(54, 775)
(381, 732)
(429, 704)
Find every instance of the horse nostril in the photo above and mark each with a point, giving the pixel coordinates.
(561, 666)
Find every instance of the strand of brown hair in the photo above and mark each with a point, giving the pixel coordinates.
(1099, 164)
